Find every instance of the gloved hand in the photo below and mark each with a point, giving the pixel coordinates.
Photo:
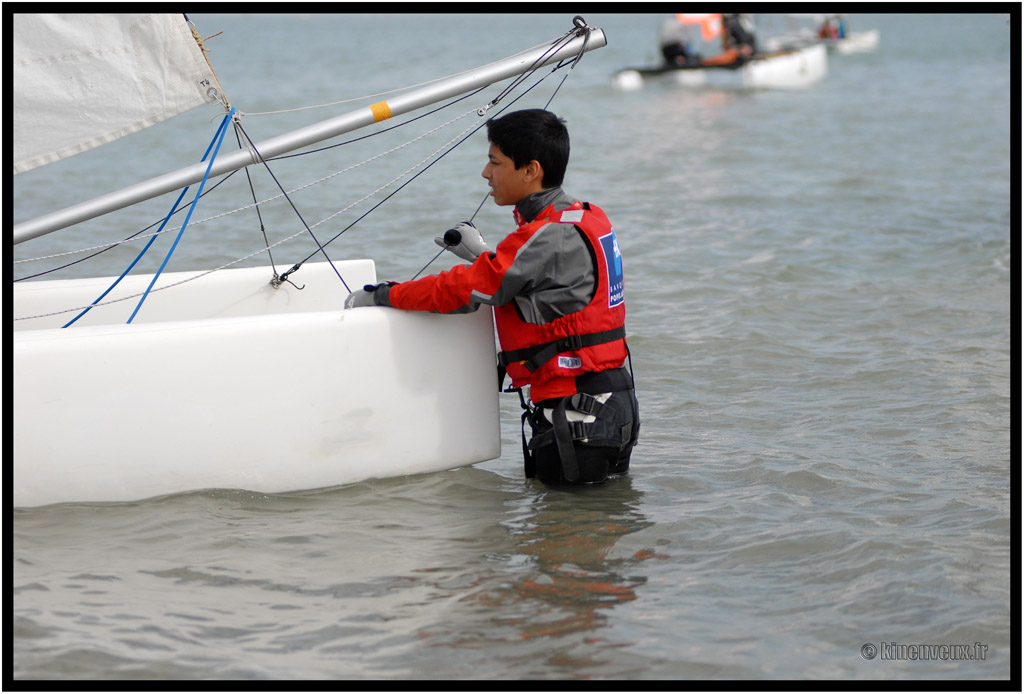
(464, 241)
(367, 296)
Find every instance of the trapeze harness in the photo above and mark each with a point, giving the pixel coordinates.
(581, 351)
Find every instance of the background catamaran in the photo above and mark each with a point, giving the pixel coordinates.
(770, 67)
(831, 31)
(157, 383)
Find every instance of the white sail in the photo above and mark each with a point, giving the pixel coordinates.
(84, 80)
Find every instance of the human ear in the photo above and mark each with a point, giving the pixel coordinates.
(533, 171)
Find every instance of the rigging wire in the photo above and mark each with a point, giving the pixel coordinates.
(186, 280)
(195, 201)
(271, 246)
(554, 48)
(137, 236)
(413, 178)
(252, 189)
(581, 28)
(382, 130)
(368, 96)
(578, 21)
(284, 277)
(480, 206)
(217, 138)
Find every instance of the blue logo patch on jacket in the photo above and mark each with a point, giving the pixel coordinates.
(613, 258)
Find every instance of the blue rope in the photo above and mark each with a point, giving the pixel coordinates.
(134, 262)
(219, 138)
(174, 208)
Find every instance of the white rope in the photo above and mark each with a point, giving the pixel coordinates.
(159, 289)
(379, 94)
(478, 111)
(400, 176)
(301, 232)
(92, 248)
(273, 198)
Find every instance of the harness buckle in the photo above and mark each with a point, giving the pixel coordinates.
(577, 430)
(585, 403)
(573, 342)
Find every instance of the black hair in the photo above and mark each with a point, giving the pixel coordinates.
(523, 136)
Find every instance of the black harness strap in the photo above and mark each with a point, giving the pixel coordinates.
(535, 357)
(576, 431)
(604, 381)
(563, 432)
(563, 440)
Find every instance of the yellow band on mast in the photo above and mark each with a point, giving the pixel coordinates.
(381, 111)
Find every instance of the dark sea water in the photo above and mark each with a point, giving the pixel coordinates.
(819, 307)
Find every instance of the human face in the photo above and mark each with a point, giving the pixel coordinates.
(508, 184)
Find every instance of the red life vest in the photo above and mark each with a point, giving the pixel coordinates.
(549, 357)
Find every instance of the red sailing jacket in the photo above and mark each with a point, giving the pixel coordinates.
(546, 356)
(549, 356)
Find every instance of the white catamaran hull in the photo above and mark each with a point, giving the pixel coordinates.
(857, 42)
(794, 69)
(235, 384)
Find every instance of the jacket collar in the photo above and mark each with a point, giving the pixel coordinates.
(532, 205)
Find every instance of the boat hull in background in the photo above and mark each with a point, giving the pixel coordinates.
(857, 42)
(791, 69)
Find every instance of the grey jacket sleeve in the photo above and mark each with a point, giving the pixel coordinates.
(553, 275)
